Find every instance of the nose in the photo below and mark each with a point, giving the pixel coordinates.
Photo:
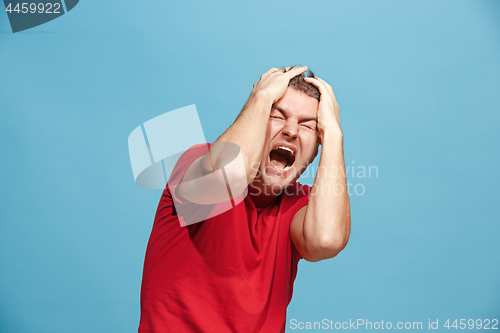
(291, 129)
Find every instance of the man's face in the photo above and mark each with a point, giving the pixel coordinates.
(291, 141)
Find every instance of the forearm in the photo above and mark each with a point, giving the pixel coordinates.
(327, 221)
(249, 132)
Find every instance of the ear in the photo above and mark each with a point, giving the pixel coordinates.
(315, 153)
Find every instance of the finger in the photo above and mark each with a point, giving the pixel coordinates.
(329, 87)
(322, 84)
(275, 71)
(323, 87)
(294, 71)
(281, 70)
(318, 84)
(326, 85)
(269, 72)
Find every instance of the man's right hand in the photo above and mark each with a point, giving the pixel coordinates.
(274, 83)
(248, 133)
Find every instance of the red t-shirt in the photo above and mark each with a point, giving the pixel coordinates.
(233, 272)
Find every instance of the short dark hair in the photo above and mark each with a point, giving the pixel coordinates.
(298, 83)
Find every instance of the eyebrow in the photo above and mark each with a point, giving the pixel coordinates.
(301, 120)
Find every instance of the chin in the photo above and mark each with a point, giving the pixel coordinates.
(276, 182)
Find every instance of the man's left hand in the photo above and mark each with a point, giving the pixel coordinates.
(328, 111)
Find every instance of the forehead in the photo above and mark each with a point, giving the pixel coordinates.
(297, 103)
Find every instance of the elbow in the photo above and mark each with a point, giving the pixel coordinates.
(236, 180)
(326, 247)
(333, 245)
(234, 171)
(213, 187)
(326, 242)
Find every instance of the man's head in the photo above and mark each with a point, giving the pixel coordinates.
(298, 83)
(292, 137)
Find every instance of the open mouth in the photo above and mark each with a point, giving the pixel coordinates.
(282, 158)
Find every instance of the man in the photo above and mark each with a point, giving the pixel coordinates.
(234, 271)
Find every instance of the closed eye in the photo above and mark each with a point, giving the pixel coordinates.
(309, 125)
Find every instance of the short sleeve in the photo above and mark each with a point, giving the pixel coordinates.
(186, 211)
(180, 168)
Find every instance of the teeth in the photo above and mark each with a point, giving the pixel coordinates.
(287, 149)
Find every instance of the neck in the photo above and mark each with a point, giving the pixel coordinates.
(260, 198)
(258, 186)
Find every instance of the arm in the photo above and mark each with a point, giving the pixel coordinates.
(321, 229)
(248, 132)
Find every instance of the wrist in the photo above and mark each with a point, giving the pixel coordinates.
(262, 96)
(332, 134)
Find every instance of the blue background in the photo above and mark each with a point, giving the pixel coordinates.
(417, 83)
